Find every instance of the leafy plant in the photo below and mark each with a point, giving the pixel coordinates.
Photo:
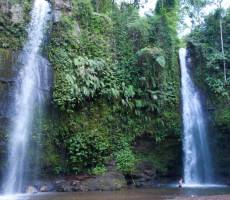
(87, 150)
(99, 170)
(125, 160)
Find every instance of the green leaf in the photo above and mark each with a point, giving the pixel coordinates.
(161, 61)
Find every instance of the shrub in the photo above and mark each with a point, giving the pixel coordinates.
(99, 170)
(126, 161)
(87, 150)
(83, 11)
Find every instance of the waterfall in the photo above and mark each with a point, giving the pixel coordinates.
(29, 95)
(197, 161)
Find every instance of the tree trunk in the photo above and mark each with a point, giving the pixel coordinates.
(222, 49)
(97, 5)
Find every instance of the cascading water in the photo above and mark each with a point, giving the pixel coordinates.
(31, 82)
(197, 160)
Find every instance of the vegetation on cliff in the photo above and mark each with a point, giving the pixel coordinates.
(116, 83)
(205, 48)
(116, 78)
(14, 16)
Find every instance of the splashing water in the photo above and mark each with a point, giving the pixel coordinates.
(197, 160)
(28, 96)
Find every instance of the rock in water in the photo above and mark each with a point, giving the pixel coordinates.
(111, 181)
(31, 190)
(44, 188)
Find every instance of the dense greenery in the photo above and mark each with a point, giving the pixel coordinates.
(13, 34)
(116, 77)
(205, 49)
(116, 83)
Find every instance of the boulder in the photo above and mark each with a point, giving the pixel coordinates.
(31, 190)
(44, 188)
(111, 181)
(63, 186)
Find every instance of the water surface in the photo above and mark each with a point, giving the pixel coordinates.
(131, 194)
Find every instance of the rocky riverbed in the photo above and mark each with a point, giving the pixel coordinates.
(112, 180)
(108, 182)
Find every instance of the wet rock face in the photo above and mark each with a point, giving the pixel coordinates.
(14, 11)
(145, 172)
(4, 7)
(7, 81)
(110, 181)
(144, 144)
(7, 75)
(144, 175)
(61, 7)
(7, 60)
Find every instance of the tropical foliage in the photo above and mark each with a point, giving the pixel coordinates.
(211, 70)
(113, 65)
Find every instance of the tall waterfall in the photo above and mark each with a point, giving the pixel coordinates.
(31, 82)
(197, 161)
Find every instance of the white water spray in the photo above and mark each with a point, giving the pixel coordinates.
(197, 161)
(28, 96)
